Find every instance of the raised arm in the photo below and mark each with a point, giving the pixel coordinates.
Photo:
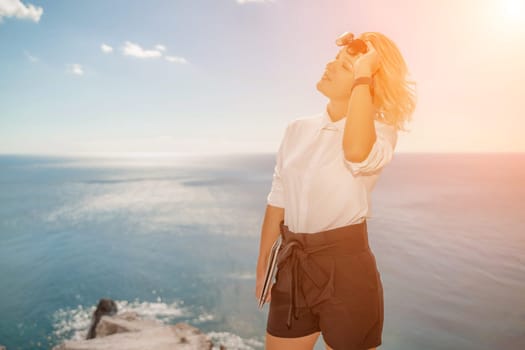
(368, 144)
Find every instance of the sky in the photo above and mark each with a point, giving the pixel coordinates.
(225, 76)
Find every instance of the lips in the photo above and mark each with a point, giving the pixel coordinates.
(325, 76)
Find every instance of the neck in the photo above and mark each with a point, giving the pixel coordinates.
(337, 109)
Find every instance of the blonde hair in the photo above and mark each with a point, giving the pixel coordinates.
(394, 94)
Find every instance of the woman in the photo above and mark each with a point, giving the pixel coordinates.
(326, 167)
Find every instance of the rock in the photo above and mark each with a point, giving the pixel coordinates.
(168, 337)
(111, 331)
(125, 322)
(2, 347)
(104, 307)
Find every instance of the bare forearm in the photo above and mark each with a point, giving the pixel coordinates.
(269, 233)
(359, 135)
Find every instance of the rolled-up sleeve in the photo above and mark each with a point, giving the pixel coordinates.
(381, 153)
(276, 196)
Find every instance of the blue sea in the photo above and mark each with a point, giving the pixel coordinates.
(177, 239)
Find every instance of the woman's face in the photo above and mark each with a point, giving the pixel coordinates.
(338, 76)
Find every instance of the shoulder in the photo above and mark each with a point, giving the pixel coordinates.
(304, 122)
(385, 126)
(386, 131)
(383, 122)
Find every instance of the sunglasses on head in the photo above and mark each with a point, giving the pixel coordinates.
(357, 46)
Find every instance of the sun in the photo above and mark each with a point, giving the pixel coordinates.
(504, 18)
(513, 11)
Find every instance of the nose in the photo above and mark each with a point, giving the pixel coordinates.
(330, 65)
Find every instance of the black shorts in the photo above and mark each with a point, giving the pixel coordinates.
(328, 281)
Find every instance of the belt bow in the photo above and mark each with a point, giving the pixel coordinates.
(293, 252)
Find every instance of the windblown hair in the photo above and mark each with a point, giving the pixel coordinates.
(395, 95)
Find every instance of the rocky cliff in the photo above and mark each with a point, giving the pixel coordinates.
(113, 331)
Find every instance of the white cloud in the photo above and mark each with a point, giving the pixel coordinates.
(242, 2)
(76, 69)
(15, 8)
(175, 59)
(31, 57)
(135, 50)
(132, 49)
(106, 48)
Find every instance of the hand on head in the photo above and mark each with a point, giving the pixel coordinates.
(368, 58)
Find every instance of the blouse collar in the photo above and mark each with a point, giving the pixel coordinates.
(327, 123)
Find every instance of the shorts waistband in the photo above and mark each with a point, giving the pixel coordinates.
(351, 238)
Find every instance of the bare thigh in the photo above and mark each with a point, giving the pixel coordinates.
(302, 343)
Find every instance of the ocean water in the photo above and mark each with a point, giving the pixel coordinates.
(176, 239)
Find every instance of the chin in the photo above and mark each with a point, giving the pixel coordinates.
(322, 87)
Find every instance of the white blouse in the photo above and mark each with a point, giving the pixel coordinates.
(318, 188)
